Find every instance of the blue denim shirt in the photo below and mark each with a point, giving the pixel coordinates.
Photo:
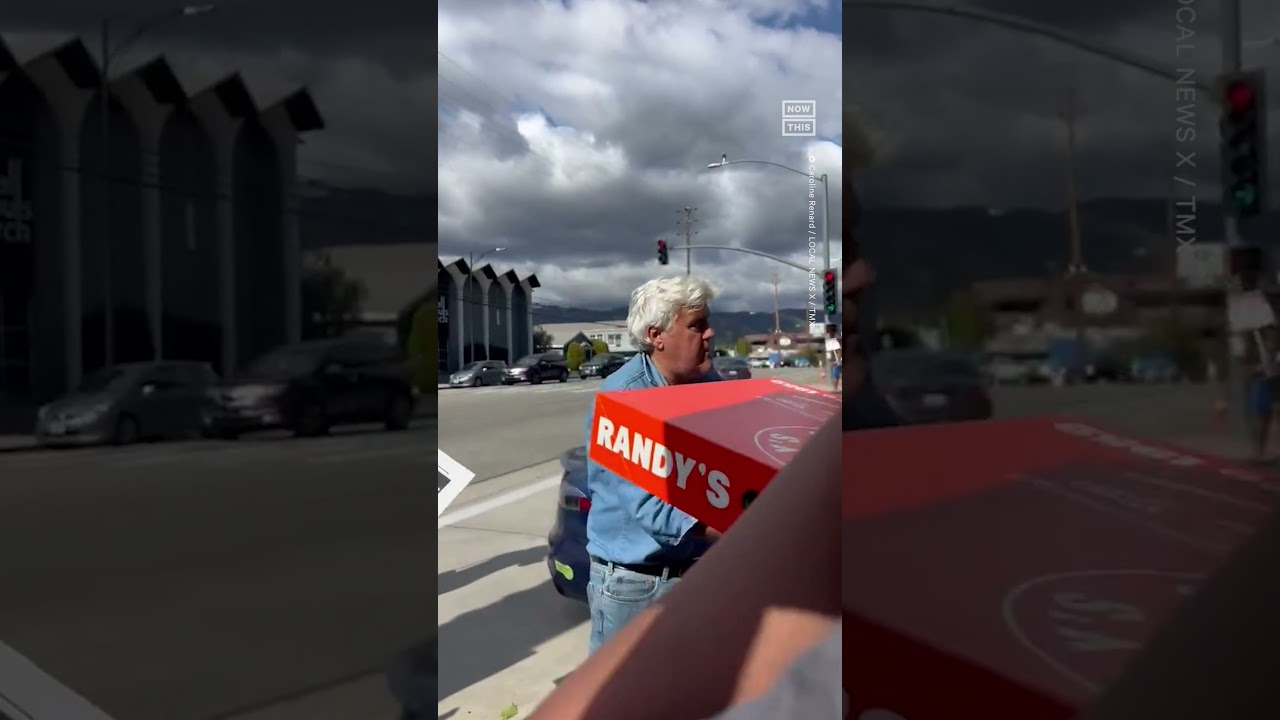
(626, 524)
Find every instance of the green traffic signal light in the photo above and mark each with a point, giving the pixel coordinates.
(1245, 196)
(831, 309)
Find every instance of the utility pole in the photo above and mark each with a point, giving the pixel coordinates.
(685, 223)
(777, 308)
(1171, 228)
(1075, 280)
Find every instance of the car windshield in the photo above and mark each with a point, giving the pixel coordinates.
(105, 379)
(286, 361)
(603, 358)
(472, 366)
(730, 363)
(528, 361)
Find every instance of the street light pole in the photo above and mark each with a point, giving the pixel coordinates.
(826, 207)
(106, 183)
(105, 188)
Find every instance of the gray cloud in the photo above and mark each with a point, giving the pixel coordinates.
(573, 133)
(967, 113)
(365, 63)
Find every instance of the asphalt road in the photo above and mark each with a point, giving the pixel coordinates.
(497, 430)
(200, 580)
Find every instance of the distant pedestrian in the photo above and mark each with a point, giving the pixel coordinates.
(835, 370)
(1259, 400)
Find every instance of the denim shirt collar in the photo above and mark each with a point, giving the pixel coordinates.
(654, 377)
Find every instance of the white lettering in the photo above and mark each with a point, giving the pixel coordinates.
(663, 462)
(684, 466)
(641, 450)
(718, 489)
(604, 432)
(1081, 603)
(622, 443)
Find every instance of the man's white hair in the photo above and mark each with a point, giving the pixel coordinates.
(656, 303)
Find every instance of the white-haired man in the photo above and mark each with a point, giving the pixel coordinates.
(639, 545)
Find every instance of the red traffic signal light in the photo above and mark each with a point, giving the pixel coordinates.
(662, 244)
(830, 276)
(1240, 96)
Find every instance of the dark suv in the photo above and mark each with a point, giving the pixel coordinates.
(312, 386)
(537, 368)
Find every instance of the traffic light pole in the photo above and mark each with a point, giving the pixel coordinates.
(749, 251)
(1235, 372)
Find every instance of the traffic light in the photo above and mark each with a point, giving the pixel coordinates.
(830, 292)
(1243, 130)
(662, 252)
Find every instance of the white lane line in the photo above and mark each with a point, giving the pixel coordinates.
(498, 501)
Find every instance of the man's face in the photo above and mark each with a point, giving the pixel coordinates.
(684, 352)
(857, 277)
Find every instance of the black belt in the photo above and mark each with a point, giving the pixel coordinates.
(672, 570)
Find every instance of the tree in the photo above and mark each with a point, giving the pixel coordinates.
(968, 322)
(423, 345)
(541, 339)
(573, 356)
(332, 300)
(742, 348)
(599, 347)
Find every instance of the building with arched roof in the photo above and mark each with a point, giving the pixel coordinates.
(485, 314)
(161, 223)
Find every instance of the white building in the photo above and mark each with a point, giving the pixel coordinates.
(612, 332)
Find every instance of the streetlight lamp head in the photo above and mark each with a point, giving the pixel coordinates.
(190, 10)
(724, 158)
(712, 166)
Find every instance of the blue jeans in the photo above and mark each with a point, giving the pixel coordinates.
(616, 595)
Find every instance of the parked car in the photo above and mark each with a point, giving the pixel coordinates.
(536, 368)
(123, 404)
(926, 386)
(1008, 371)
(758, 362)
(732, 368)
(567, 558)
(479, 373)
(601, 366)
(310, 387)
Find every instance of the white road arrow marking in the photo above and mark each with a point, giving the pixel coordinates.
(457, 475)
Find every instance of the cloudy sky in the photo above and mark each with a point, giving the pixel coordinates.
(364, 62)
(968, 113)
(573, 133)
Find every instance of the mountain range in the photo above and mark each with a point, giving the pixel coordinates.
(922, 256)
(731, 325)
(330, 216)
